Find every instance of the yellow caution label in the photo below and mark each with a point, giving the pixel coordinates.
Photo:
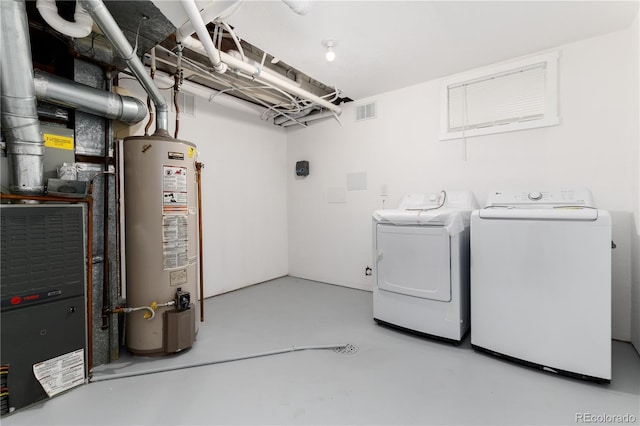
(57, 141)
(191, 151)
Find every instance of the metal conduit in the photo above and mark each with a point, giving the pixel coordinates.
(65, 92)
(103, 19)
(25, 146)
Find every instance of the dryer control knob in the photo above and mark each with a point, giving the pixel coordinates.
(535, 196)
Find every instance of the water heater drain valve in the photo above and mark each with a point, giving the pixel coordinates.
(183, 300)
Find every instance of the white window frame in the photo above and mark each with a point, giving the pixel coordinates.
(550, 117)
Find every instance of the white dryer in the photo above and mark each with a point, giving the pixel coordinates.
(421, 264)
(541, 281)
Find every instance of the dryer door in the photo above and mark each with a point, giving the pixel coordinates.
(414, 260)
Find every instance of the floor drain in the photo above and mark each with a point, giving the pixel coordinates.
(346, 350)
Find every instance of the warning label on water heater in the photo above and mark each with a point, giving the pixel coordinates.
(174, 190)
(174, 242)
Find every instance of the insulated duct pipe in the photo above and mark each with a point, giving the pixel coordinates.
(78, 29)
(301, 7)
(65, 92)
(195, 45)
(25, 146)
(220, 10)
(222, 60)
(198, 24)
(103, 19)
(263, 69)
(215, 10)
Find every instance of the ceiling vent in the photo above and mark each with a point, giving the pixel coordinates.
(366, 111)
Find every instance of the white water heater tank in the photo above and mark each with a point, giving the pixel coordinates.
(161, 242)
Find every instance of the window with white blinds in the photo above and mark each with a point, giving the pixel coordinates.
(515, 96)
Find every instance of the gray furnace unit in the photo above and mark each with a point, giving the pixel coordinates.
(42, 315)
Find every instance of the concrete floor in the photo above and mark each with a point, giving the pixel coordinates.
(393, 378)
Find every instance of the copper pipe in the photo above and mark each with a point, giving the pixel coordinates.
(199, 167)
(106, 281)
(151, 114)
(89, 202)
(116, 161)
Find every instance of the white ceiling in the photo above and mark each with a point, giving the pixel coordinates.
(387, 45)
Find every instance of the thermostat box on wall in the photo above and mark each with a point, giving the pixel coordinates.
(302, 168)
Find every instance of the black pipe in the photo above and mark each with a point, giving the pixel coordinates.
(106, 282)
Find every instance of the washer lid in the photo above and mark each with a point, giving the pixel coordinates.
(448, 209)
(417, 217)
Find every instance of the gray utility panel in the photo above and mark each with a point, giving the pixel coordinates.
(42, 287)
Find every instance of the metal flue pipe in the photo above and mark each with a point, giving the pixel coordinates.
(65, 92)
(103, 19)
(25, 146)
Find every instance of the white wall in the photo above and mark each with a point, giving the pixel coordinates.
(635, 235)
(243, 191)
(591, 147)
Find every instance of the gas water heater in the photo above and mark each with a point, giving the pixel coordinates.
(161, 244)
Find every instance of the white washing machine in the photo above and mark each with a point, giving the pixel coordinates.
(541, 281)
(421, 264)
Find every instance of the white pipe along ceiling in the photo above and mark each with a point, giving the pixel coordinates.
(230, 61)
(285, 100)
(223, 61)
(78, 29)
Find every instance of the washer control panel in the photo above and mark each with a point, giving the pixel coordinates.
(578, 197)
(535, 196)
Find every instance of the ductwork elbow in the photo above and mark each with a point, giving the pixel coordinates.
(60, 91)
(133, 110)
(78, 29)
